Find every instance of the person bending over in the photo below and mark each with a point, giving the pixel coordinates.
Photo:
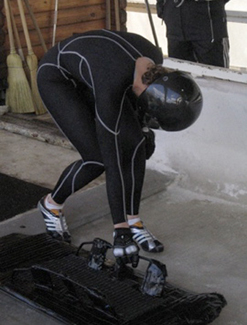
(101, 87)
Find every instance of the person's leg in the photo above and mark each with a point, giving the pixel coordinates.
(214, 53)
(73, 112)
(74, 115)
(133, 165)
(181, 50)
(124, 159)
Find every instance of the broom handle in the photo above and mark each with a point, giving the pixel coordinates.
(17, 38)
(24, 25)
(55, 23)
(36, 25)
(117, 17)
(10, 30)
(108, 14)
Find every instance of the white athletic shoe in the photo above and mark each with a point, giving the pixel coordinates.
(55, 221)
(143, 237)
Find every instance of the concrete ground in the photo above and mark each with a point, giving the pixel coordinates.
(205, 237)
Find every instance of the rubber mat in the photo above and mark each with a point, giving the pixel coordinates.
(18, 196)
(81, 287)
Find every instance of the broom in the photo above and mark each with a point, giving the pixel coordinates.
(16, 33)
(18, 42)
(32, 63)
(18, 93)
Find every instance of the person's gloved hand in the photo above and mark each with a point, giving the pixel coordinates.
(149, 141)
(125, 249)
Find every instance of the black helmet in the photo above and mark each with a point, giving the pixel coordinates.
(174, 99)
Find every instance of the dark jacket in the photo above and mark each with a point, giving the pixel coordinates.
(192, 20)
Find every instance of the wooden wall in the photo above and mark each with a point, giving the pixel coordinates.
(73, 16)
(3, 68)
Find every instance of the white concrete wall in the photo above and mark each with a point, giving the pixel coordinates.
(210, 157)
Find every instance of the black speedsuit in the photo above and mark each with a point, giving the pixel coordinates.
(85, 82)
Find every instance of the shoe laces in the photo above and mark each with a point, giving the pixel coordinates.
(142, 234)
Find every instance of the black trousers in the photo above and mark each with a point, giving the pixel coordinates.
(214, 53)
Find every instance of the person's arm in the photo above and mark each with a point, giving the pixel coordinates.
(141, 66)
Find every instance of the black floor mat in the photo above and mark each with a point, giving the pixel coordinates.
(53, 277)
(17, 196)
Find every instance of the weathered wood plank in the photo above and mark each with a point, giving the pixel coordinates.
(61, 34)
(79, 19)
(73, 16)
(49, 5)
(65, 17)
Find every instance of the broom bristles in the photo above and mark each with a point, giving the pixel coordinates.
(18, 94)
(32, 63)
